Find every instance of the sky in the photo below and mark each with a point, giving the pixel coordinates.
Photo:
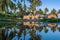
(50, 4)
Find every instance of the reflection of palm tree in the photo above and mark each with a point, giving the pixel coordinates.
(11, 35)
(58, 29)
(3, 34)
(0, 35)
(34, 36)
(19, 33)
(22, 30)
(40, 28)
(53, 29)
(45, 30)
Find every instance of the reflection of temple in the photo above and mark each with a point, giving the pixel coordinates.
(52, 25)
(30, 24)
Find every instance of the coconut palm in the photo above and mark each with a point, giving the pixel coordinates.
(46, 10)
(40, 11)
(24, 6)
(32, 9)
(20, 9)
(33, 4)
(58, 11)
(4, 5)
(53, 11)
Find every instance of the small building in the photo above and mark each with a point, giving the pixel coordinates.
(52, 15)
(30, 16)
(30, 24)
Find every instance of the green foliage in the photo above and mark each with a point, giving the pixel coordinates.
(46, 10)
(53, 11)
(58, 11)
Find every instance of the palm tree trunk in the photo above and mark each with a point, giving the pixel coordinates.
(24, 8)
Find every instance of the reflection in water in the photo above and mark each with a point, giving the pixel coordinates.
(52, 25)
(30, 31)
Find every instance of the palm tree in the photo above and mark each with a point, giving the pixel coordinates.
(2, 5)
(58, 11)
(46, 10)
(53, 11)
(12, 5)
(33, 4)
(40, 11)
(20, 8)
(24, 6)
(32, 9)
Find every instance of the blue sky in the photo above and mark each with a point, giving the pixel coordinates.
(50, 4)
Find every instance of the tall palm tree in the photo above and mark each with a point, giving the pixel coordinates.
(46, 10)
(33, 4)
(58, 11)
(20, 8)
(4, 5)
(0, 5)
(32, 9)
(53, 11)
(24, 6)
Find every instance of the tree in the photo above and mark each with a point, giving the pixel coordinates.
(33, 4)
(40, 11)
(2, 5)
(5, 4)
(46, 10)
(20, 9)
(24, 6)
(53, 11)
(58, 11)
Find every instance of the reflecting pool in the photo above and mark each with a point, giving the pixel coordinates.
(30, 31)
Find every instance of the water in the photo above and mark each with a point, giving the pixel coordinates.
(30, 31)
